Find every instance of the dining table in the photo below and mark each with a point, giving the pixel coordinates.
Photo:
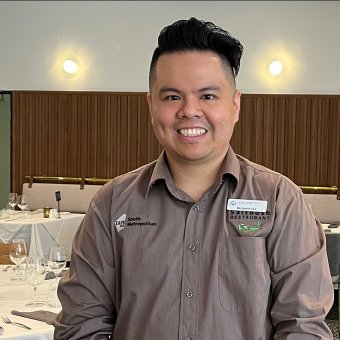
(332, 228)
(14, 295)
(40, 233)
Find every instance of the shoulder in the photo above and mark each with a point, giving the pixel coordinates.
(135, 180)
(267, 178)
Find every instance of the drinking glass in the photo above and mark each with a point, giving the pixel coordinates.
(35, 275)
(12, 201)
(26, 212)
(22, 202)
(18, 255)
(57, 258)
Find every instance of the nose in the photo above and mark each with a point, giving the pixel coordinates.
(190, 108)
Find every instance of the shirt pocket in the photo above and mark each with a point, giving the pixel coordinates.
(244, 275)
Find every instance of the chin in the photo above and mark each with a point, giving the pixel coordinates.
(195, 158)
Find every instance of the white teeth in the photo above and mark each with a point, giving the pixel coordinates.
(192, 132)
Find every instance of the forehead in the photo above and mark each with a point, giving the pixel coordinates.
(195, 64)
(193, 58)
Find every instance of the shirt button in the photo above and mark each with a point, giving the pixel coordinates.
(196, 207)
(189, 294)
(192, 247)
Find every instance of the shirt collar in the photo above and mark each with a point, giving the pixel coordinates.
(230, 166)
(160, 172)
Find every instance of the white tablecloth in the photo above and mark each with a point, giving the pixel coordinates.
(41, 233)
(14, 295)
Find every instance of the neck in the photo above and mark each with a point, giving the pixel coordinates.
(194, 179)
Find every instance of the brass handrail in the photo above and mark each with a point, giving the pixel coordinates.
(101, 181)
(67, 180)
(321, 190)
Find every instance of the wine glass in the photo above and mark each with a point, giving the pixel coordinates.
(18, 254)
(12, 201)
(35, 275)
(57, 258)
(22, 202)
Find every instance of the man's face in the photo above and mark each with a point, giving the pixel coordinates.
(193, 106)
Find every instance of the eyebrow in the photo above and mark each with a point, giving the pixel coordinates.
(168, 89)
(203, 89)
(209, 88)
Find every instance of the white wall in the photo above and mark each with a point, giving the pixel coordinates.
(115, 41)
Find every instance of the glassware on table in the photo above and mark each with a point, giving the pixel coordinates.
(18, 255)
(26, 212)
(12, 200)
(22, 202)
(54, 213)
(35, 274)
(57, 258)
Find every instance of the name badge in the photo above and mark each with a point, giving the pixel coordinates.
(246, 205)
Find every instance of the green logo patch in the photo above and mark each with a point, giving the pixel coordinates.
(245, 228)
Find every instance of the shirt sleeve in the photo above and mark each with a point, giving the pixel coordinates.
(301, 282)
(87, 290)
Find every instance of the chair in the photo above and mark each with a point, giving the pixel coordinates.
(4, 253)
(333, 254)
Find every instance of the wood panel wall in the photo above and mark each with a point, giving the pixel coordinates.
(296, 135)
(79, 134)
(96, 134)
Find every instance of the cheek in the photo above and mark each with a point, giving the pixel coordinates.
(154, 115)
(162, 117)
(224, 118)
(159, 125)
(225, 124)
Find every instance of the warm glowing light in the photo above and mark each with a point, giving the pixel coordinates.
(276, 67)
(70, 66)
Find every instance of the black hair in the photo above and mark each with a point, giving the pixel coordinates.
(194, 34)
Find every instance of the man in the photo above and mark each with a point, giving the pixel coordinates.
(202, 243)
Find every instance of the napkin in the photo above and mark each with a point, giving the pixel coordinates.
(38, 211)
(51, 275)
(40, 315)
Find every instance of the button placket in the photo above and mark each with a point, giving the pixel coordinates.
(188, 313)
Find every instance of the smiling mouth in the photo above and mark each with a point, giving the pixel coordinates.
(192, 132)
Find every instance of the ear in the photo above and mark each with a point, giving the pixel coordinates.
(237, 105)
(149, 100)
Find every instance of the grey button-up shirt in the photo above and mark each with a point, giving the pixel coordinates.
(149, 263)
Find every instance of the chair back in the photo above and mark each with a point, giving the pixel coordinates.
(333, 253)
(4, 253)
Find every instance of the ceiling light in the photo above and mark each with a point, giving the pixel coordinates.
(70, 66)
(275, 67)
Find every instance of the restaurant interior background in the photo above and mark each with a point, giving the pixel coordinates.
(95, 123)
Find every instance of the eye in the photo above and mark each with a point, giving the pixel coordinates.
(208, 96)
(172, 97)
